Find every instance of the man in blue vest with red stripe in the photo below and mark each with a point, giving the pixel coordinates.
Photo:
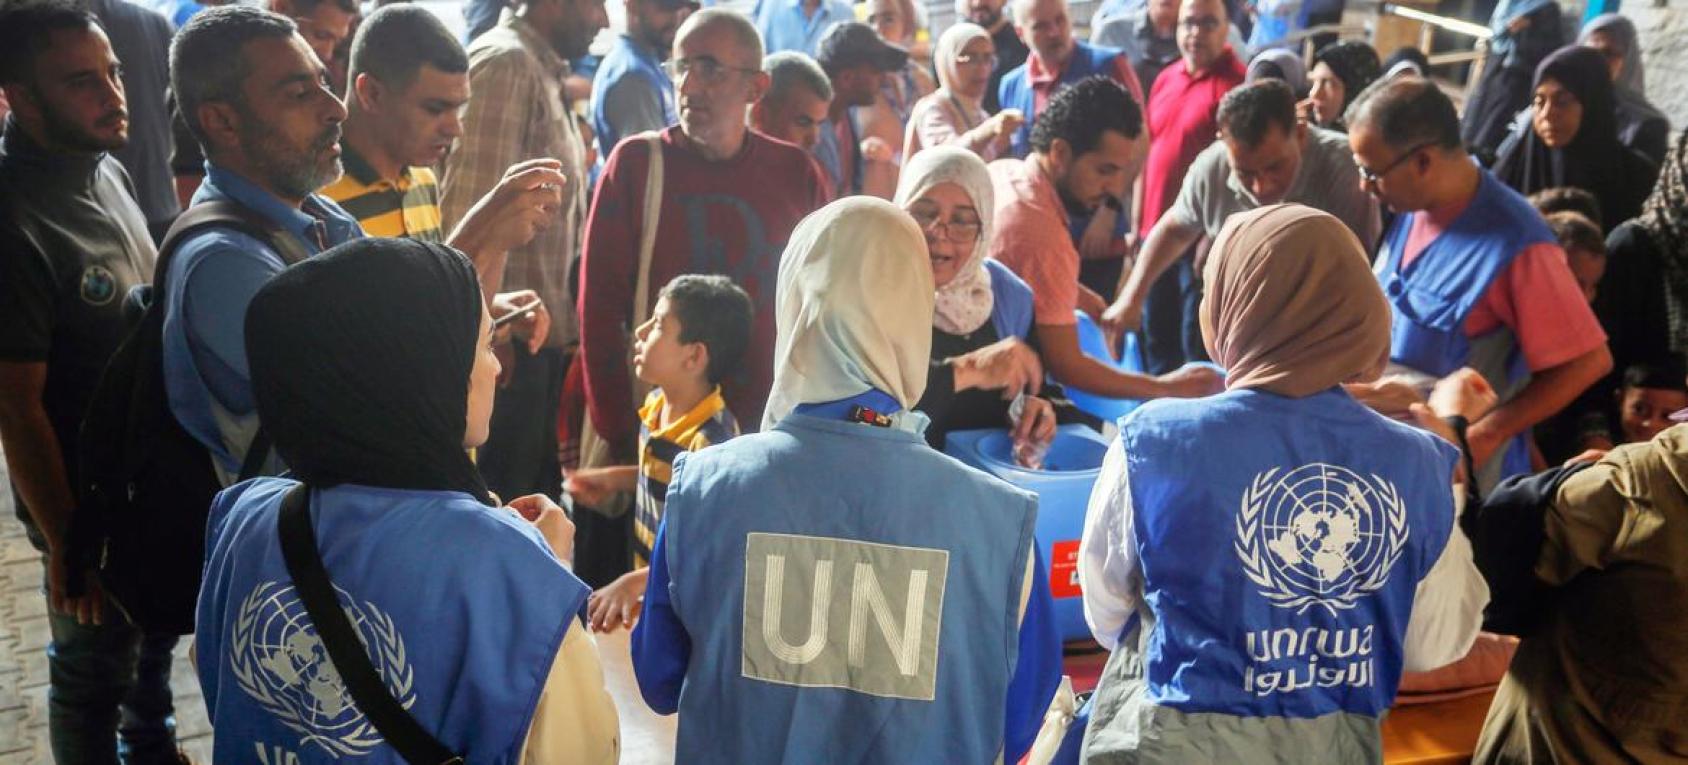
(1473, 273)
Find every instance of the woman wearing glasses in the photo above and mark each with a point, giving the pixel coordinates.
(954, 114)
(983, 314)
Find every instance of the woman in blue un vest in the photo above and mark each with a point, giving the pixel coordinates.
(373, 372)
(1265, 562)
(832, 589)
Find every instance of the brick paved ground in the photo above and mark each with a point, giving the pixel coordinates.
(23, 657)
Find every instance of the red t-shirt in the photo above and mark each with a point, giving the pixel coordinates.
(1182, 122)
(728, 217)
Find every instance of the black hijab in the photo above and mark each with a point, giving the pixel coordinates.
(1595, 160)
(360, 361)
(1353, 62)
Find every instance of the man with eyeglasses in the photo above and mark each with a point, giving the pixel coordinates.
(730, 198)
(521, 112)
(1475, 276)
(1265, 156)
(1182, 117)
(630, 91)
(1148, 35)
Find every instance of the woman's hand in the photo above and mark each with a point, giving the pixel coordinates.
(1008, 365)
(876, 149)
(617, 604)
(1033, 431)
(550, 520)
(1003, 125)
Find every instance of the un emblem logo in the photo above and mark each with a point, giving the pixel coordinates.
(280, 662)
(1319, 535)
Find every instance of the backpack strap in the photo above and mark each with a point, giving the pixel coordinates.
(228, 214)
(340, 638)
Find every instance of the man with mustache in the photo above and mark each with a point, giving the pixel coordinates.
(258, 102)
(72, 243)
(730, 199)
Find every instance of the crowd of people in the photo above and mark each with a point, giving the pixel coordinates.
(392, 367)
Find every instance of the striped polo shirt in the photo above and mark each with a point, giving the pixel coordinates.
(706, 424)
(409, 208)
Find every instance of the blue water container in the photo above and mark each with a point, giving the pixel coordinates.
(1063, 490)
(1091, 342)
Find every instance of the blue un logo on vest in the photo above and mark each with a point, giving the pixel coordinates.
(98, 286)
(1319, 535)
(278, 660)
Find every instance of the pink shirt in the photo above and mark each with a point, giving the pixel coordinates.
(1536, 297)
(1031, 239)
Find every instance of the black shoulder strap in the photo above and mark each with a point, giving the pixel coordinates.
(345, 650)
(225, 214)
(229, 214)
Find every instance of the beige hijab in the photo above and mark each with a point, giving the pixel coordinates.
(853, 309)
(1291, 304)
(965, 303)
(950, 44)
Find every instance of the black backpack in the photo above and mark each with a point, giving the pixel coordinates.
(146, 483)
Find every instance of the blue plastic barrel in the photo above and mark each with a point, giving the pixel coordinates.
(1063, 490)
(1094, 345)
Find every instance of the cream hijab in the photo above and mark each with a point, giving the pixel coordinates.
(965, 303)
(950, 45)
(854, 299)
(1291, 304)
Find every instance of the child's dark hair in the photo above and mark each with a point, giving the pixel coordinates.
(1567, 199)
(712, 310)
(1668, 373)
(1576, 232)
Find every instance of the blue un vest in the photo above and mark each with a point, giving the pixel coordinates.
(851, 594)
(1435, 295)
(1281, 542)
(1015, 90)
(625, 59)
(462, 606)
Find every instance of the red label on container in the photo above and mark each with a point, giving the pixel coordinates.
(1063, 570)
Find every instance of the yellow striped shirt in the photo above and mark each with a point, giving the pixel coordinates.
(409, 208)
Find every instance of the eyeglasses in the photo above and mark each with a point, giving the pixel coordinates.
(968, 59)
(1372, 177)
(709, 69)
(957, 230)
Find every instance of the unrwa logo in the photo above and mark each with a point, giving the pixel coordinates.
(278, 659)
(1319, 535)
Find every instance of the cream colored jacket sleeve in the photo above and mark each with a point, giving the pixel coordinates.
(575, 721)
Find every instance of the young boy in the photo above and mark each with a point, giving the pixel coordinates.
(694, 339)
(1584, 246)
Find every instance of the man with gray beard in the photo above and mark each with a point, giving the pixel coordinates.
(258, 101)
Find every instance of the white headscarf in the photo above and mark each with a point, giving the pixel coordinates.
(965, 303)
(855, 291)
(950, 45)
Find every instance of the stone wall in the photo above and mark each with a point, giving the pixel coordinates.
(1664, 41)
